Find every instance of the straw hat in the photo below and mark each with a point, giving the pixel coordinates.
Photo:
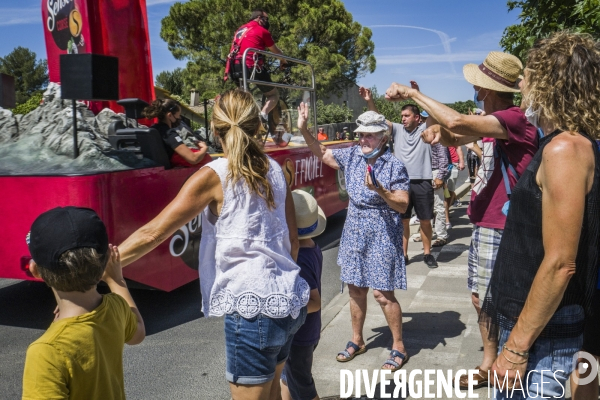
(499, 71)
(310, 219)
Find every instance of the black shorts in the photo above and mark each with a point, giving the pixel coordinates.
(473, 163)
(260, 75)
(420, 196)
(297, 373)
(591, 334)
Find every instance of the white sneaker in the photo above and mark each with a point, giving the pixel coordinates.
(414, 220)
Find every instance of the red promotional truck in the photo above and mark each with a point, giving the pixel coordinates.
(126, 200)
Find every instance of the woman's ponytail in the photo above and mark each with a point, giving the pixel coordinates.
(236, 121)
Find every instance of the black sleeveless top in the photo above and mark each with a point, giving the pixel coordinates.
(521, 252)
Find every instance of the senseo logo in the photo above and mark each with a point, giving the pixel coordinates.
(185, 243)
(54, 8)
(65, 23)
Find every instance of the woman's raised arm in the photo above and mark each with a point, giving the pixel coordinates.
(322, 152)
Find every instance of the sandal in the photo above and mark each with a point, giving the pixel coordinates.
(391, 361)
(346, 353)
(480, 379)
(439, 242)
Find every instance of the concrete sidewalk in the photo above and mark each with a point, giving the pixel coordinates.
(439, 322)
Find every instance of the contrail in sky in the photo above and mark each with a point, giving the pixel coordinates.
(444, 38)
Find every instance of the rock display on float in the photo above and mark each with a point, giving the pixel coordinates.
(41, 142)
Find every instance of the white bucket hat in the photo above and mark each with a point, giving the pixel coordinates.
(371, 121)
(310, 219)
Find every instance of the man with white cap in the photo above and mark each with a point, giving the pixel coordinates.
(495, 81)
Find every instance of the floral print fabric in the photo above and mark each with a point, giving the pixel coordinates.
(371, 253)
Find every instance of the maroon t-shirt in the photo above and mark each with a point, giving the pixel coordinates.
(252, 35)
(486, 209)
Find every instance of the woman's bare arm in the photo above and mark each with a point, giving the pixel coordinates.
(199, 191)
(322, 152)
(290, 218)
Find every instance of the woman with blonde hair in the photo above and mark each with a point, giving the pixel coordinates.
(248, 250)
(542, 289)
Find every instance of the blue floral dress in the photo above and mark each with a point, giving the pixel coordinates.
(371, 253)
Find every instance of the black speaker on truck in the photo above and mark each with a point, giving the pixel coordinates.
(7, 91)
(89, 77)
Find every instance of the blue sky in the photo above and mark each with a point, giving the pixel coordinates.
(428, 40)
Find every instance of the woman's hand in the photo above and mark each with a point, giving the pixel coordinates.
(113, 270)
(516, 372)
(365, 93)
(303, 116)
(370, 184)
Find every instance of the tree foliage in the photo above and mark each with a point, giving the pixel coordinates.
(320, 31)
(540, 18)
(462, 107)
(332, 113)
(31, 75)
(31, 104)
(392, 110)
(173, 82)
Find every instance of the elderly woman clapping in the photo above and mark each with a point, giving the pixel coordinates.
(370, 253)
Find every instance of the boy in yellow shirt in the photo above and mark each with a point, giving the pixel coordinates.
(80, 356)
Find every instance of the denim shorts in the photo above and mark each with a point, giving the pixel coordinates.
(550, 360)
(257, 345)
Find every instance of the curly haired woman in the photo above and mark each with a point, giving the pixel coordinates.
(546, 273)
(248, 250)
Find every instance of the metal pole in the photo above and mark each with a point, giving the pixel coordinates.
(206, 121)
(75, 146)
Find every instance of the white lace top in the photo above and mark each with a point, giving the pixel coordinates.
(245, 261)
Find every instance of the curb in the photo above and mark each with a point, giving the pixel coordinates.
(333, 308)
(463, 190)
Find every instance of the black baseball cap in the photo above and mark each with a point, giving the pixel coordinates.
(62, 229)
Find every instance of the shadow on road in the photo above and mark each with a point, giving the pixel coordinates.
(31, 305)
(27, 305)
(425, 330)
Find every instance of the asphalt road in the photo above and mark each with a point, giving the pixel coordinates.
(183, 355)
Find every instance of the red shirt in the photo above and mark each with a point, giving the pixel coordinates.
(252, 35)
(453, 155)
(522, 144)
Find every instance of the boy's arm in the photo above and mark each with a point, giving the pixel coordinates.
(113, 276)
(314, 302)
(45, 374)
